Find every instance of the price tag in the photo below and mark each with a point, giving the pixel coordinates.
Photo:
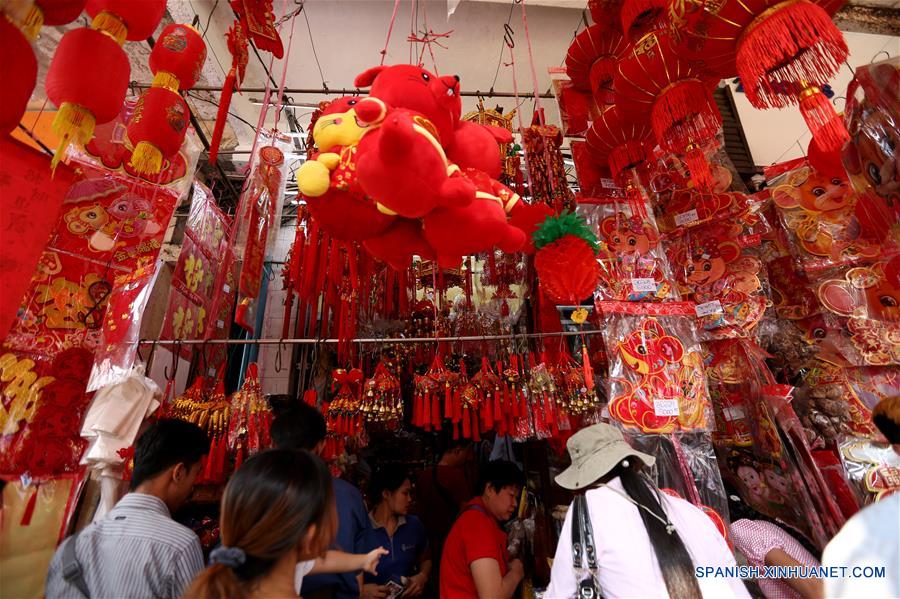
(713, 307)
(749, 241)
(608, 184)
(686, 218)
(220, 324)
(733, 413)
(226, 288)
(604, 413)
(665, 407)
(643, 285)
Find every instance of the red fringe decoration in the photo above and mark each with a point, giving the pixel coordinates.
(699, 167)
(684, 114)
(827, 127)
(222, 116)
(784, 49)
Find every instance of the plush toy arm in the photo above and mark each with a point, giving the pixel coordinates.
(330, 160)
(313, 178)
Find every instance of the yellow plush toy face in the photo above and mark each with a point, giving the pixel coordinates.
(338, 129)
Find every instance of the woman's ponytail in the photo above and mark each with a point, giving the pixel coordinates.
(217, 581)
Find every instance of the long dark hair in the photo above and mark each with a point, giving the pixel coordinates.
(673, 558)
(269, 505)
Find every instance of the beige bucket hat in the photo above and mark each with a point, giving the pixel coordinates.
(595, 451)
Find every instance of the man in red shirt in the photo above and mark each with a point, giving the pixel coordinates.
(475, 563)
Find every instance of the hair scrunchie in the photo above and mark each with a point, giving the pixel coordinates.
(233, 557)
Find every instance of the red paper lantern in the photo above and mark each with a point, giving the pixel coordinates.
(653, 77)
(782, 52)
(87, 81)
(157, 128)
(605, 12)
(134, 20)
(18, 72)
(46, 12)
(591, 61)
(566, 258)
(177, 57)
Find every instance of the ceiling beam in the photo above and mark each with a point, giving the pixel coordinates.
(860, 18)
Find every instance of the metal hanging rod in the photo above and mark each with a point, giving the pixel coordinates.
(349, 92)
(373, 340)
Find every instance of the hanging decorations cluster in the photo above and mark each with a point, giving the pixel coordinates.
(88, 76)
(161, 116)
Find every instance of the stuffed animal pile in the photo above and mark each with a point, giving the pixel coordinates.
(399, 171)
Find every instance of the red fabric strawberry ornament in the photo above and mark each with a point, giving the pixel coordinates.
(566, 258)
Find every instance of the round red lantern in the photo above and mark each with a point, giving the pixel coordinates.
(127, 19)
(177, 57)
(605, 12)
(87, 81)
(46, 12)
(591, 61)
(157, 128)
(782, 51)
(18, 71)
(566, 258)
(654, 78)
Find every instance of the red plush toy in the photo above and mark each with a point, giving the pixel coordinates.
(402, 166)
(459, 231)
(477, 146)
(328, 181)
(400, 243)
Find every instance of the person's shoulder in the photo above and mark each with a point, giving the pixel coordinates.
(345, 488)
(414, 522)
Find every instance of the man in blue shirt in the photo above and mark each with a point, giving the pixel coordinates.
(407, 562)
(303, 427)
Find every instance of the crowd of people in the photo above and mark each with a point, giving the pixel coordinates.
(289, 528)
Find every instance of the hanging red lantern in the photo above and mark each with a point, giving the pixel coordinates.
(623, 141)
(87, 81)
(159, 123)
(591, 61)
(157, 128)
(566, 258)
(88, 76)
(177, 57)
(605, 12)
(782, 51)
(653, 78)
(18, 71)
(127, 19)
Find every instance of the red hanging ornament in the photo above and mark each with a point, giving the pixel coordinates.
(606, 12)
(177, 57)
(18, 72)
(239, 48)
(88, 76)
(782, 51)
(566, 258)
(654, 78)
(157, 129)
(640, 17)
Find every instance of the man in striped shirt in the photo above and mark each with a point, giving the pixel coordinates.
(137, 550)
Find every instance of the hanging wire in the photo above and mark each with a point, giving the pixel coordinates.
(315, 54)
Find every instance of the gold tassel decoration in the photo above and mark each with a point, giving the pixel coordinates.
(146, 158)
(166, 80)
(32, 23)
(73, 124)
(111, 25)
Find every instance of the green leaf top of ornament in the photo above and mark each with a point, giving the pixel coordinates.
(566, 223)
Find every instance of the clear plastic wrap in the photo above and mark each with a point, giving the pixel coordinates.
(872, 467)
(657, 382)
(633, 265)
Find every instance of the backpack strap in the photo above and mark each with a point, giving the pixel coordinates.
(71, 567)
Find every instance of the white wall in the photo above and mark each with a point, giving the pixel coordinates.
(773, 135)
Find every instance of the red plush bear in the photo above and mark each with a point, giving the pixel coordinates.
(458, 231)
(400, 243)
(477, 147)
(328, 180)
(401, 165)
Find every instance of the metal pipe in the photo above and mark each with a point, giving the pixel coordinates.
(350, 92)
(385, 341)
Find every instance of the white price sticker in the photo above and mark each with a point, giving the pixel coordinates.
(643, 285)
(608, 184)
(733, 413)
(686, 218)
(665, 407)
(604, 413)
(226, 288)
(713, 307)
(220, 324)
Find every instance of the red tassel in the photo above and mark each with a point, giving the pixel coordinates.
(466, 424)
(826, 126)
(426, 413)
(436, 411)
(696, 162)
(222, 116)
(586, 367)
(476, 434)
(28, 514)
(448, 401)
(498, 409)
(238, 457)
(457, 407)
